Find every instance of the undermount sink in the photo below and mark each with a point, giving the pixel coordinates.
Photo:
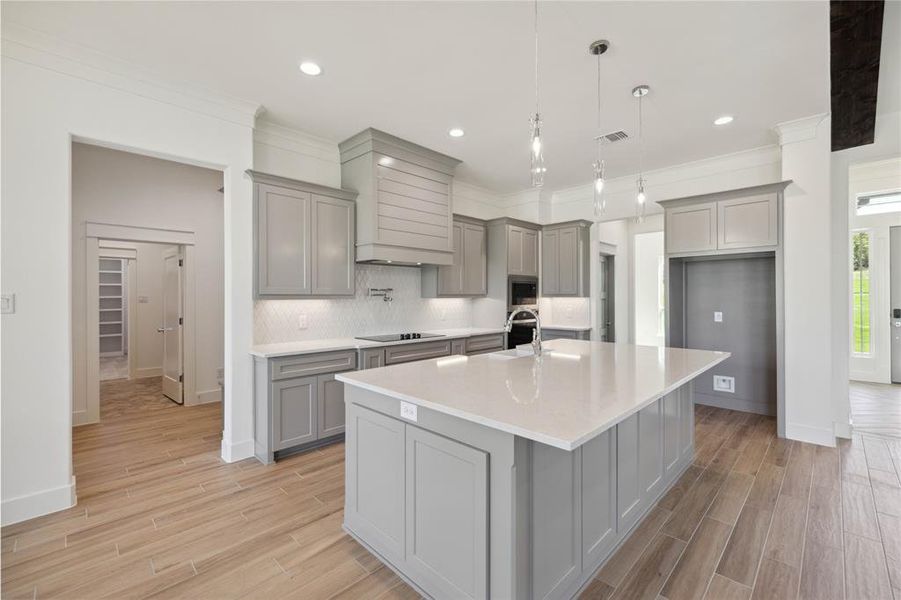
(517, 352)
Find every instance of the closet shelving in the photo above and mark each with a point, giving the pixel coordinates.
(112, 306)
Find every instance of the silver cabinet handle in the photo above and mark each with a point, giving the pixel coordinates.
(164, 329)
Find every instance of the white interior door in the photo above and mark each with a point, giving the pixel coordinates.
(171, 329)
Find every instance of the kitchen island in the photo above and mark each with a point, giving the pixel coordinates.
(507, 475)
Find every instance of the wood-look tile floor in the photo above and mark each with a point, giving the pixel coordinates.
(876, 408)
(160, 515)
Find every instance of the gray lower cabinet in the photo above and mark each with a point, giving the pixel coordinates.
(416, 351)
(483, 344)
(458, 346)
(372, 358)
(303, 238)
(297, 401)
(549, 333)
(565, 259)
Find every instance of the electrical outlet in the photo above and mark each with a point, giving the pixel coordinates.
(8, 304)
(717, 317)
(722, 383)
(302, 321)
(408, 411)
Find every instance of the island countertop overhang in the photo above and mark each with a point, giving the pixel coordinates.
(563, 399)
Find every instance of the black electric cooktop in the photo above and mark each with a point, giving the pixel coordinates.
(398, 337)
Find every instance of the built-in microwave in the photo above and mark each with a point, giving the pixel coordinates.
(522, 292)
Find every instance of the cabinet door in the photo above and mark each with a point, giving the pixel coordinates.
(530, 252)
(514, 250)
(650, 450)
(333, 246)
(628, 488)
(447, 515)
(747, 222)
(672, 433)
(568, 262)
(687, 439)
(374, 481)
(330, 396)
(372, 358)
(475, 260)
(458, 346)
(598, 496)
(691, 228)
(550, 270)
(283, 241)
(450, 277)
(293, 412)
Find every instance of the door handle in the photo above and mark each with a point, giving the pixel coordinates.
(164, 329)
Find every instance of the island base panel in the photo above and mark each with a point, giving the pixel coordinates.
(462, 510)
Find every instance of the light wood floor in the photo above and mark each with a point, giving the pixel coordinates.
(160, 515)
(876, 408)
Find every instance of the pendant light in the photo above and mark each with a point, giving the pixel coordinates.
(536, 145)
(640, 198)
(598, 167)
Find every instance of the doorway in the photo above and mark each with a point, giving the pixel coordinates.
(606, 297)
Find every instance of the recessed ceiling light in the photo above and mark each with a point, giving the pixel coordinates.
(455, 132)
(308, 67)
(724, 120)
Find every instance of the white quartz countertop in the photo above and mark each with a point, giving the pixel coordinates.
(326, 345)
(569, 395)
(566, 327)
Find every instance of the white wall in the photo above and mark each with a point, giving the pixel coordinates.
(47, 97)
(648, 253)
(882, 175)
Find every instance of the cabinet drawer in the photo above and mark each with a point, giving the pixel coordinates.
(312, 364)
(485, 343)
(420, 351)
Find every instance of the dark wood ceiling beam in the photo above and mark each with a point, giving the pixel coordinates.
(856, 42)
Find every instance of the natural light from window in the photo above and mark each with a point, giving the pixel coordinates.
(860, 292)
(879, 203)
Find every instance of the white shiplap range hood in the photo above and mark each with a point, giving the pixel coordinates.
(405, 199)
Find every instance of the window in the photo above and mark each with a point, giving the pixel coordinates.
(860, 292)
(879, 203)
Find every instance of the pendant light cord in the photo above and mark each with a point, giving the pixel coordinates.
(640, 140)
(536, 57)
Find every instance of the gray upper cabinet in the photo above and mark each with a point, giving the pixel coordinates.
(725, 222)
(303, 238)
(467, 276)
(405, 203)
(522, 248)
(565, 259)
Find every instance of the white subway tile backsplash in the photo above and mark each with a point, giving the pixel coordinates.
(281, 320)
(573, 312)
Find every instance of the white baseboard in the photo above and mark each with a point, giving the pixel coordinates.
(843, 430)
(759, 408)
(235, 452)
(207, 396)
(148, 372)
(821, 436)
(37, 504)
(83, 417)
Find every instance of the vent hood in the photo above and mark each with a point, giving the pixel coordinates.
(404, 202)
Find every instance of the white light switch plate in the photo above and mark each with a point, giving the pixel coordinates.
(717, 317)
(721, 383)
(408, 411)
(7, 304)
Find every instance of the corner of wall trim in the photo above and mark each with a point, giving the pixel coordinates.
(29, 506)
(237, 451)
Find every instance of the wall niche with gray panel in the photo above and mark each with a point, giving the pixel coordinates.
(303, 238)
(724, 292)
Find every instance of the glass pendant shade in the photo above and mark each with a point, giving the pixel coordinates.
(537, 153)
(600, 201)
(641, 201)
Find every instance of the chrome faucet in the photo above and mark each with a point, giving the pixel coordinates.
(536, 333)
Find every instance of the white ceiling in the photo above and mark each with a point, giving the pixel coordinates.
(415, 69)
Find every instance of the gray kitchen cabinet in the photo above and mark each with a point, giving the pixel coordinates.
(628, 487)
(458, 347)
(294, 411)
(404, 208)
(447, 515)
(672, 433)
(749, 222)
(375, 492)
(402, 353)
(467, 276)
(549, 333)
(330, 406)
(599, 491)
(297, 402)
(565, 259)
(372, 358)
(522, 251)
(650, 443)
(691, 228)
(483, 344)
(303, 238)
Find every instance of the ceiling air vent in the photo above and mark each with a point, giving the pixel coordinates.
(613, 136)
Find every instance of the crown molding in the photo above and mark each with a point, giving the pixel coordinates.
(799, 130)
(295, 140)
(33, 47)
